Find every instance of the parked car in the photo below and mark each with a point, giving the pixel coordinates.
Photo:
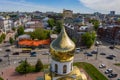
(112, 75)
(77, 50)
(102, 66)
(108, 71)
(102, 54)
(0, 49)
(20, 61)
(94, 52)
(89, 54)
(111, 47)
(118, 79)
(16, 53)
(109, 57)
(0, 60)
(6, 55)
(7, 50)
(112, 55)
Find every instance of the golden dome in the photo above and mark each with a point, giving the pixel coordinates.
(62, 48)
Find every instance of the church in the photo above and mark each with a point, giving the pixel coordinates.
(62, 55)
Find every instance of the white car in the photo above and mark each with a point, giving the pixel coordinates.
(0, 49)
(102, 66)
(108, 71)
(77, 50)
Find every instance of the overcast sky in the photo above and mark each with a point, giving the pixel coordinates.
(81, 6)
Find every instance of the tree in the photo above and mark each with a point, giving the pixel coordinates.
(38, 66)
(1, 78)
(51, 23)
(95, 23)
(2, 37)
(20, 30)
(11, 40)
(13, 28)
(88, 38)
(58, 27)
(23, 68)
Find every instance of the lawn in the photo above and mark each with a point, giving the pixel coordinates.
(91, 70)
(117, 64)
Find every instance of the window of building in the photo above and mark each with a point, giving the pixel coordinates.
(64, 68)
(56, 68)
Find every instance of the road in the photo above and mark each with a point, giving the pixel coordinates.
(80, 57)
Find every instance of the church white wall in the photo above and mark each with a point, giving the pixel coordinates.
(60, 67)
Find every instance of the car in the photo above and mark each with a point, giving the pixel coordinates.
(0, 49)
(112, 55)
(20, 61)
(15, 53)
(0, 60)
(112, 75)
(111, 47)
(109, 57)
(6, 55)
(118, 79)
(33, 54)
(7, 50)
(108, 71)
(102, 66)
(102, 53)
(45, 53)
(94, 52)
(77, 50)
(89, 54)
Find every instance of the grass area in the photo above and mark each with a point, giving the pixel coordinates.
(117, 64)
(91, 70)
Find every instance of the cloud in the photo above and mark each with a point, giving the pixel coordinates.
(102, 5)
(22, 5)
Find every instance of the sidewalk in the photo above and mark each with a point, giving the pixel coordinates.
(10, 74)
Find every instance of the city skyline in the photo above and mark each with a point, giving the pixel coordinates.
(81, 6)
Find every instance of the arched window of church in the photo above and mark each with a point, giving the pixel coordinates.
(64, 68)
(71, 66)
(56, 68)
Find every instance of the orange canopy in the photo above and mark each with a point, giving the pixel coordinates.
(27, 42)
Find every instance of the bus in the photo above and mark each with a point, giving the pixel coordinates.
(26, 50)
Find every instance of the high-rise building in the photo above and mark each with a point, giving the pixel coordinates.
(62, 54)
(112, 13)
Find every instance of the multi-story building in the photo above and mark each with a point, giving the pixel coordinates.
(67, 13)
(5, 24)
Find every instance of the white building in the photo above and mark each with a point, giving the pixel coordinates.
(5, 24)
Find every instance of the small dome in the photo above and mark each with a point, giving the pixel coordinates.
(62, 48)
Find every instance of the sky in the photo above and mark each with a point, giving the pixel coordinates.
(80, 6)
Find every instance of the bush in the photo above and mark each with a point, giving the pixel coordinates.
(24, 68)
(1, 78)
(38, 66)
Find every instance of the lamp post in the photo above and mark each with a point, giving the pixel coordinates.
(97, 52)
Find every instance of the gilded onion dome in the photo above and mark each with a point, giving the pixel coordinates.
(62, 48)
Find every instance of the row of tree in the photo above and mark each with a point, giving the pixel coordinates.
(25, 67)
(39, 33)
